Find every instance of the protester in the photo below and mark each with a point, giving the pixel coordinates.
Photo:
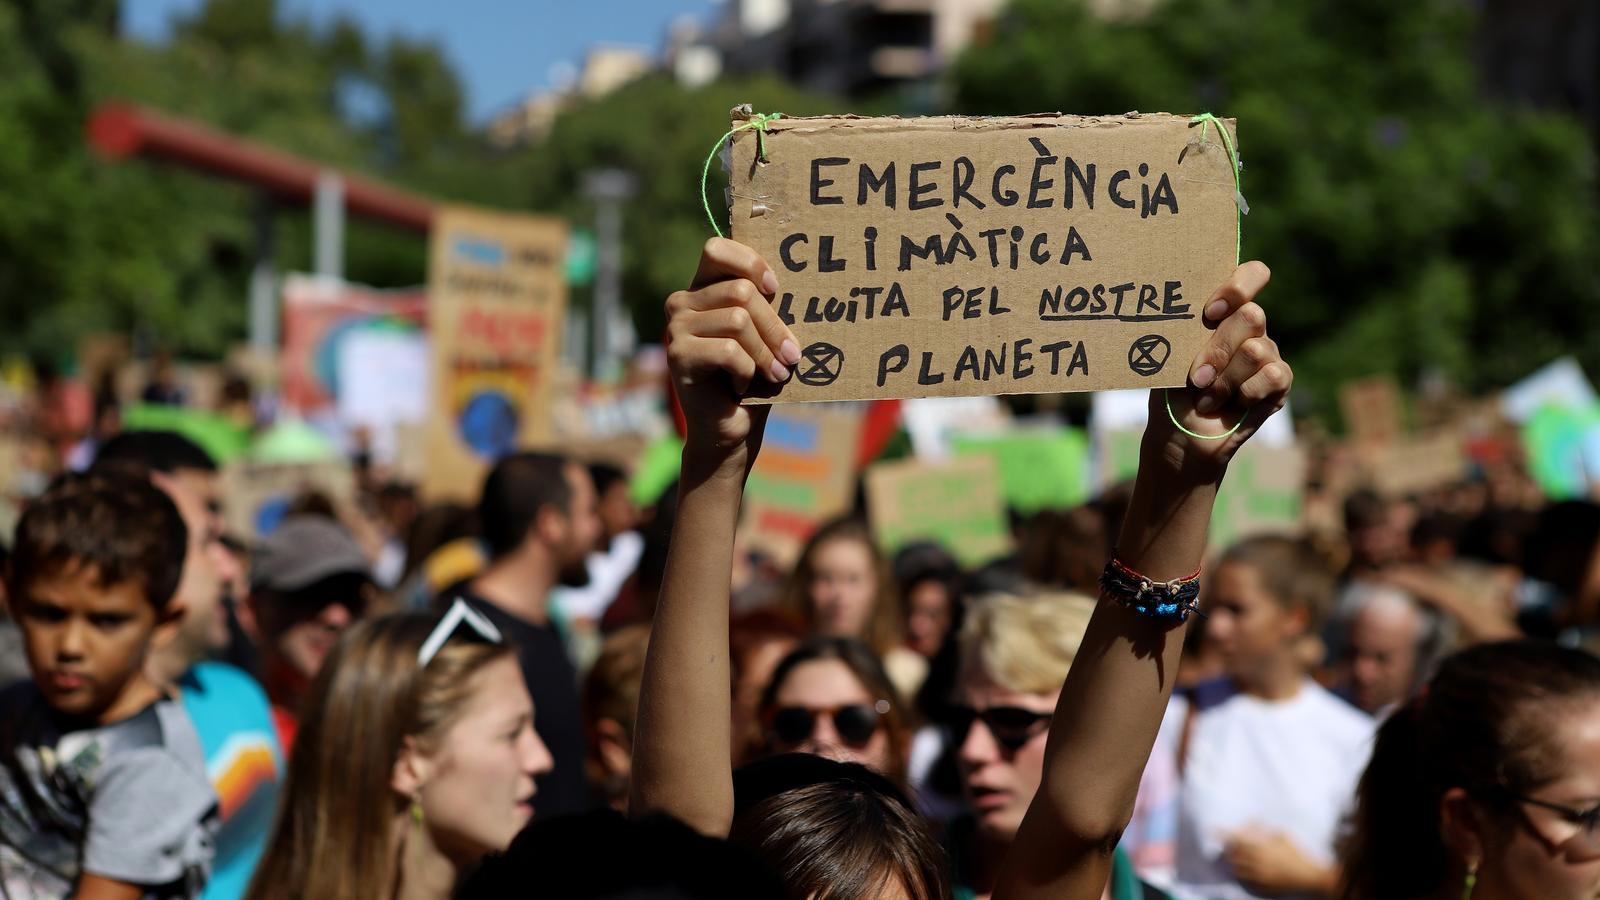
(723, 335)
(309, 581)
(610, 703)
(417, 757)
(1484, 786)
(539, 523)
(1391, 644)
(757, 642)
(929, 579)
(229, 710)
(841, 587)
(609, 566)
(91, 746)
(1268, 772)
(831, 697)
(1016, 651)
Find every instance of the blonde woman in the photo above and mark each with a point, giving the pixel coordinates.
(416, 758)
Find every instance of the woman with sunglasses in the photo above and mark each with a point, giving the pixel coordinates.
(1015, 653)
(1487, 786)
(416, 758)
(723, 334)
(831, 697)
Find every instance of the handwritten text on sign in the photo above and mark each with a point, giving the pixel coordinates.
(957, 256)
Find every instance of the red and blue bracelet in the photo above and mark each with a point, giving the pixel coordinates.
(1172, 600)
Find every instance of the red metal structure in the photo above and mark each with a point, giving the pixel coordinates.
(121, 130)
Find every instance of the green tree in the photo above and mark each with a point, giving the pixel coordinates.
(1412, 224)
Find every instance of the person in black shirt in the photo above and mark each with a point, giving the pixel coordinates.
(540, 520)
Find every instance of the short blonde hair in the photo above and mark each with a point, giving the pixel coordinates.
(1025, 643)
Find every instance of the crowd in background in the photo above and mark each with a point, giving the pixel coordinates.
(499, 648)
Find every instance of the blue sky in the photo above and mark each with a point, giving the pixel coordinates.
(503, 49)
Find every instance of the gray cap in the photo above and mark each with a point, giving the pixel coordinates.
(303, 551)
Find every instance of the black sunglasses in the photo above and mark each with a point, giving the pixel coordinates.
(855, 724)
(1012, 726)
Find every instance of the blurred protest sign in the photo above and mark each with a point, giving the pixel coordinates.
(804, 475)
(222, 438)
(964, 256)
(1040, 468)
(259, 495)
(1116, 428)
(319, 315)
(656, 470)
(1372, 410)
(957, 503)
(1263, 493)
(1561, 384)
(1563, 450)
(930, 421)
(1416, 465)
(497, 295)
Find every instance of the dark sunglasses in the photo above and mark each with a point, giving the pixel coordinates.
(855, 724)
(1012, 726)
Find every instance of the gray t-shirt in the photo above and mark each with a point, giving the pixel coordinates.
(129, 801)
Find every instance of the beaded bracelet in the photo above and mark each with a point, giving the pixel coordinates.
(1174, 599)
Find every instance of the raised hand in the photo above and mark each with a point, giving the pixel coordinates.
(722, 334)
(1239, 374)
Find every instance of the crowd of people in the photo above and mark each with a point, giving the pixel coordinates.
(555, 693)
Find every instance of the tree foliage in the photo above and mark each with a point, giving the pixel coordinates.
(1411, 224)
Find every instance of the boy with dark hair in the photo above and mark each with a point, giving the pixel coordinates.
(103, 788)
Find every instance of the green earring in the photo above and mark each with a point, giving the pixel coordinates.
(1471, 881)
(416, 812)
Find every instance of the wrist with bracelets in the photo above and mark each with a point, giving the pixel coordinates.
(1172, 601)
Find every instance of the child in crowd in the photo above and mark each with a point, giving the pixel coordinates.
(103, 786)
(1268, 772)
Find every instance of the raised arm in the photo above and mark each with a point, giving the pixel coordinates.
(721, 335)
(1117, 690)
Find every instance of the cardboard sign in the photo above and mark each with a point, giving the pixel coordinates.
(960, 256)
(1039, 468)
(259, 495)
(804, 475)
(1263, 493)
(496, 300)
(1417, 465)
(1371, 409)
(956, 503)
(319, 315)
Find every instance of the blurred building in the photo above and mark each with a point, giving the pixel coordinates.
(847, 47)
(604, 70)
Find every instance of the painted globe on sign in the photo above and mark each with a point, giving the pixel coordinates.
(488, 424)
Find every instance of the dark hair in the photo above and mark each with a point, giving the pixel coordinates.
(1066, 548)
(925, 561)
(605, 475)
(1364, 509)
(517, 489)
(115, 523)
(155, 451)
(1291, 572)
(1483, 724)
(867, 669)
(577, 858)
(833, 830)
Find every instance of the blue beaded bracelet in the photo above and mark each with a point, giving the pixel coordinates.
(1175, 599)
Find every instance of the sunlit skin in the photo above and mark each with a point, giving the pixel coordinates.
(1542, 853)
(87, 643)
(206, 565)
(479, 783)
(1253, 632)
(843, 588)
(826, 684)
(583, 528)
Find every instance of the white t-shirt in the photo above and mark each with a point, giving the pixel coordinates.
(1289, 766)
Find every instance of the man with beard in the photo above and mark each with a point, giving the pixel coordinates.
(540, 520)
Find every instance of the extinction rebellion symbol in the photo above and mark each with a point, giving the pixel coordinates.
(1148, 354)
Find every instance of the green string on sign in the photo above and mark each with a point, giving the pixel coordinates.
(759, 123)
(1205, 121)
